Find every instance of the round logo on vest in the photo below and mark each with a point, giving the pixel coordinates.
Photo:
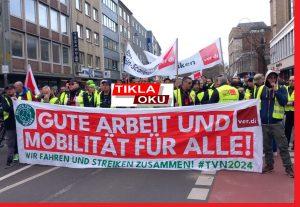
(25, 115)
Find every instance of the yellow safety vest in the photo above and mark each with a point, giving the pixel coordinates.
(200, 96)
(53, 100)
(193, 95)
(247, 94)
(291, 98)
(62, 98)
(28, 95)
(278, 112)
(78, 99)
(228, 94)
(5, 113)
(96, 95)
(210, 93)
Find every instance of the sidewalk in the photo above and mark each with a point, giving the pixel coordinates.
(239, 187)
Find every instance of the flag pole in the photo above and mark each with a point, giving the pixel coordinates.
(176, 66)
(222, 54)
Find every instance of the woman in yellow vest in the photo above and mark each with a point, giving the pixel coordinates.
(273, 100)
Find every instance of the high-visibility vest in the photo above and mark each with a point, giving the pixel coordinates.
(62, 98)
(78, 99)
(278, 112)
(28, 96)
(210, 93)
(177, 96)
(5, 113)
(200, 96)
(96, 96)
(291, 98)
(228, 94)
(53, 100)
(247, 94)
(193, 95)
(99, 99)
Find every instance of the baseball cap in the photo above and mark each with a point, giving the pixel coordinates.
(106, 81)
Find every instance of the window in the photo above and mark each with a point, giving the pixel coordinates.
(124, 15)
(97, 62)
(16, 8)
(45, 50)
(43, 15)
(79, 30)
(96, 39)
(87, 9)
(88, 35)
(81, 58)
(109, 23)
(121, 28)
(78, 4)
(90, 61)
(32, 46)
(110, 64)
(30, 10)
(17, 40)
(120, 12)
(111, 5)
(95, 14)
(54, 20)
(65, 53)
(110, 44)
(64, 24)
(56, 53)
(128, 19)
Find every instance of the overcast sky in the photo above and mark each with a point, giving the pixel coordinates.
(196, 23)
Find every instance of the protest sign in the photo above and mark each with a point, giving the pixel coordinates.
(209, 137)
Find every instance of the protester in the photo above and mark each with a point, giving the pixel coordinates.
(74, 97)
(90, 96)
(258, 81)
(167, 80)
(22, 92)
(289, 110)
(177, 83)
(249, 93)
(182, 94)
(225, 93)
(273, 99)
(104, 98)
(10, 124)
(47, 96)
(195, 90)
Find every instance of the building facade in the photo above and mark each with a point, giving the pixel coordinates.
(282, 45)
(125, 28)
(36, 32)
(249, 50)
(86, 21)
(111, 39)
(139, 39)
(152, 44)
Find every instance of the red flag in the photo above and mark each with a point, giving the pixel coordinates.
(30, 82)
(210, 54)
(170, 58)
(197, 75)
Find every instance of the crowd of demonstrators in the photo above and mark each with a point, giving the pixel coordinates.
(277, 102)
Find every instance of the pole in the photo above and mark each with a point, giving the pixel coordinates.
(176, 66)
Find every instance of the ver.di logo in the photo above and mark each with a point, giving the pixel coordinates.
(25, 115)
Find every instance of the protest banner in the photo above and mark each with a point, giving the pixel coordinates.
(209, 137)
(206, 58)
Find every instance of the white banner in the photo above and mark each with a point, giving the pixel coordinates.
(204, 59)
(209, 137)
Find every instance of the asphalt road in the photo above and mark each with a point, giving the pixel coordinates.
(24, 183)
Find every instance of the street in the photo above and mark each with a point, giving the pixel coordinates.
(25, 183)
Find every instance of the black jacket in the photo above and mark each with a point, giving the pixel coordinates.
(7, 105)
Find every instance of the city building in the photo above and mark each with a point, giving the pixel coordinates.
(125, 28)
(282, 45)
(139, 39)
(152, 44)
(111, 39)
(249, 50)
(36, 32)
(88, 60)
